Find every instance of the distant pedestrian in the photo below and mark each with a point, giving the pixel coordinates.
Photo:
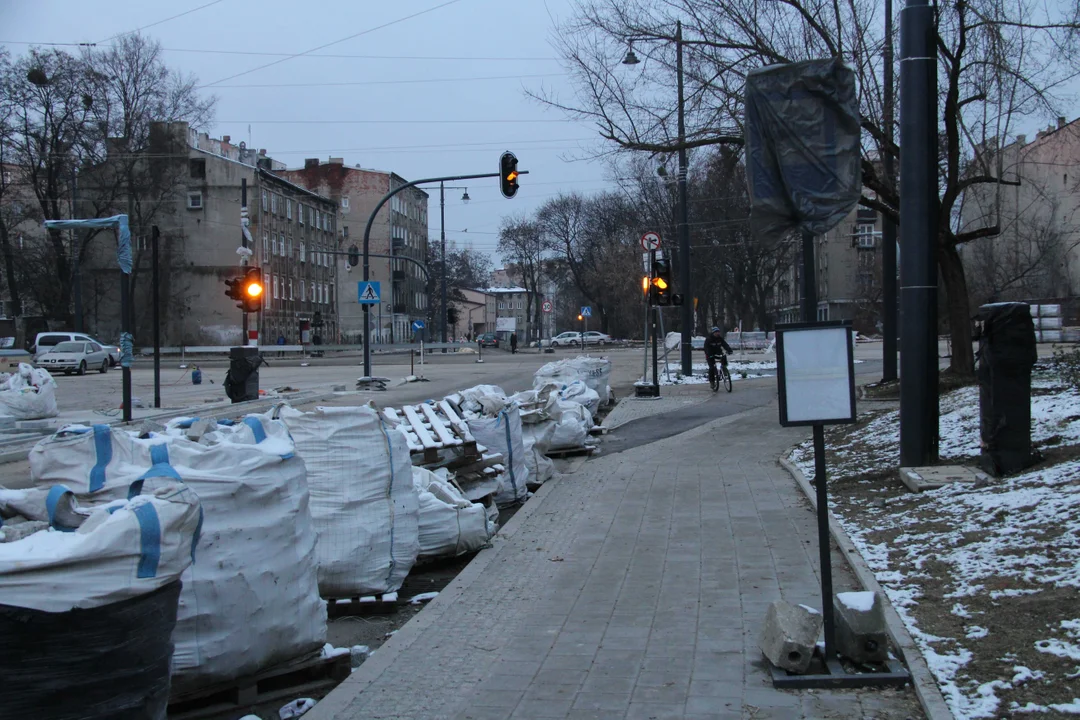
(281, 341)
(513, 343)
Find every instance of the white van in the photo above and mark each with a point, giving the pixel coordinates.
(46, 341)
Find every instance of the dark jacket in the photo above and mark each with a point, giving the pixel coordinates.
(714, 344)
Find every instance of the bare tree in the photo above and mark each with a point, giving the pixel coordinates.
(1001, 61)
(523, 245)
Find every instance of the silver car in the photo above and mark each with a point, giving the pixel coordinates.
(72, 356)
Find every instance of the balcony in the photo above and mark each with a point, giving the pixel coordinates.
(399, 275)
(401, 308)
(397, 244)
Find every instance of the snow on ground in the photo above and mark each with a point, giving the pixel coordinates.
(982, 547)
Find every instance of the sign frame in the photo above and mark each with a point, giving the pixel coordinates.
(840, 391)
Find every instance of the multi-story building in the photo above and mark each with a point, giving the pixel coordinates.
(512, 315)
(199, 217)
(848, 264)
(475, 314)
(400, 229)
(1036, 255)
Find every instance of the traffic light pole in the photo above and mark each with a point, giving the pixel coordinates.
(654, 311)
(367, 243)
(243, 258)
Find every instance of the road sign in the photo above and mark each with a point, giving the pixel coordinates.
(547, 306)
(586, 311)
(367, 293)
(650, 241)
(417, 325)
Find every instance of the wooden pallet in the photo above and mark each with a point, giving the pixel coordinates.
(571, 452)
(363, 606)
(287, 681)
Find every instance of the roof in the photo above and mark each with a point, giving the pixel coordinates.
(265, 173)
(495, 290)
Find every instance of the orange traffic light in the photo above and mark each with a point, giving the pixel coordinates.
(579, 317)
(254, 289)
(508, 175)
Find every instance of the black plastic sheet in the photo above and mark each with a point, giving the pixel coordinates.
(803, 158)
(1007, 353)
(104, 663)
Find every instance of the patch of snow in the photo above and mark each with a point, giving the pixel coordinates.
(1060, 648)
(960, 611)
(423, 597)
(1072, 708)
(1023, 674)
(329, 651)
(296, 708)
(976, 633)
(858, 601)
(807, 608)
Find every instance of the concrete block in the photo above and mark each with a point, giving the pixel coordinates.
(149, 426)
(7, 422)
(919, 479)
(860, 627)
(789, 635)
(199, 428)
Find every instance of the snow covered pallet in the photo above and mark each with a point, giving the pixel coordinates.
(227, 701)
(387, 604)
(430, 428)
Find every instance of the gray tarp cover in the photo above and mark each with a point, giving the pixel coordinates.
(802, 147)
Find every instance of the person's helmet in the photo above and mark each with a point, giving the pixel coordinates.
(715, 330)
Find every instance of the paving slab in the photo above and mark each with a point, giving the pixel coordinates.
(636, 587)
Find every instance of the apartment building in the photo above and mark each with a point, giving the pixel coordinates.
(476, 314)
(1036, 255)
(200, 183)
(399, 230)
(848, 264)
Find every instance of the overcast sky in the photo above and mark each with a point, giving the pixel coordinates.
(393, 107)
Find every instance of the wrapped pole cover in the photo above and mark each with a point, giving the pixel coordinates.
(802, 147)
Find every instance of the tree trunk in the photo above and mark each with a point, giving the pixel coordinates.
(959, 305)
(9, 269)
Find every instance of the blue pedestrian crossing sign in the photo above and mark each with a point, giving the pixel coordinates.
(367, 293)
(586, 311)
(417, 325)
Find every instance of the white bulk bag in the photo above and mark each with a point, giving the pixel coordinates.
(537, 441)
(502, 434)
(362, 498)
(581, 394)
(251, 598)
(450, 525)
(594, 372)
(29, 394)
(483, 400)
(123, 550)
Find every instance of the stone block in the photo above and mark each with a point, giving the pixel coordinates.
(199, 428)
(790, 634)
(860, 627)
(918, 479)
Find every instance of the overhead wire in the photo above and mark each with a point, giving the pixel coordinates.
(159, 22)
(387, 82)
(335, 42)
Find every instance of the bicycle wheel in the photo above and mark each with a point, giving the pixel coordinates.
(714, 381)
(727, 380)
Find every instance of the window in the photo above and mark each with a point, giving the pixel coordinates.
(194, 201)
(317, 218)
(502, 306)
(345, 202)
(288, 209)
(303, 289)
(290, 290)
(266, 281)
(275, 287)
(303, 256)
(264, 200)
(266, 247)
(864, 234)
(281, 242)
(311, 217)
(196, 168)
(312, 292)
(273, 203)
(300, 213)
(288, 249)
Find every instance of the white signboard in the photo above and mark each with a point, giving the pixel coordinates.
(506, 324)
(816, 375)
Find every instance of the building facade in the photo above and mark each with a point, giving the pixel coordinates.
(848, 265)
(1036, 254)
(399, 230)
(199, 216)
(511, 313)
(475, 314)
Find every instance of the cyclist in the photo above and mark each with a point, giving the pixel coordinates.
(716, 346)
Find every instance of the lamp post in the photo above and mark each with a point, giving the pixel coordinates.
(442, 235)
(683, 228)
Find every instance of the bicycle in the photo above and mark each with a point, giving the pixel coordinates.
(718, 372)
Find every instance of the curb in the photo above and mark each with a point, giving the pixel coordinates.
(337, 701)
(926, 687)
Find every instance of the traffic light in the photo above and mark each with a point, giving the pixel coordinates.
(508, 174)
(354, 256)
(252, 289)
(661, 282)
(236, 290)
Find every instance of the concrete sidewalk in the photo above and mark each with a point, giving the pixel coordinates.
(635, 588)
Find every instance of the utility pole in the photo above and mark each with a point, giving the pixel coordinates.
(888, 227)
(155, 235)
(919, 208)
(76, 249)
(686, 347)
(442, 236)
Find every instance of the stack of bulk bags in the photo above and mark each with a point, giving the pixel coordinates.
(88, 604)
(362, 498)
(450, 524)
(502, 434)
(29, 394)
(251, 598)
(594, 372)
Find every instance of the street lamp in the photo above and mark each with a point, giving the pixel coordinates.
(442, 235)
(683, 228)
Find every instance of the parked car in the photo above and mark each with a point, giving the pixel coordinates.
(566, 339)
(488, 340)
(72, 356)
(596, 338)
(45, 341)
